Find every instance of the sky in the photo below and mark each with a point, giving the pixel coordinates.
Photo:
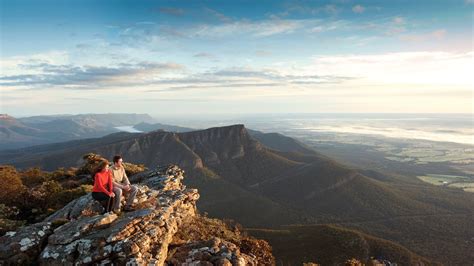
(218, 57)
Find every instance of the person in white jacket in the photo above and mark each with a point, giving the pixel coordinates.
(122, 186)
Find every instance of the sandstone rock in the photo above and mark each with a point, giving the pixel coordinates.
(83, 206)
(223, 262)
(140, 237)
(215, 251)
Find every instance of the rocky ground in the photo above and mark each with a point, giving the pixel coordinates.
(79, 235)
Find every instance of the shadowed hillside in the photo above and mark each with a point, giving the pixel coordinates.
(332, 245)
(242, 179)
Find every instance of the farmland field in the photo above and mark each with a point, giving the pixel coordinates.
(449, 180)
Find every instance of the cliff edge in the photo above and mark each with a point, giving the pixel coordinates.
(162, 231)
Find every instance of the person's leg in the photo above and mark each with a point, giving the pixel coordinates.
(131, 196)
(117, 199)
(110, 204)
(103, 199)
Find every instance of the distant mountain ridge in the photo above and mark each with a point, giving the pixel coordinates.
(146, 127)
(107, 120)
(243, 179)
(35, 130)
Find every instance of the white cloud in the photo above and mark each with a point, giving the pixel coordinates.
(331, 9)
(255, 28)
(433, 68)
(358, 9)
(43, 75)
(10, 65)
(433, 35)
(399, 20)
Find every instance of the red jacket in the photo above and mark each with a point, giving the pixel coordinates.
(102, 182)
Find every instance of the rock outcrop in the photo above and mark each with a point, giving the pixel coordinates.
(79, 235)
(215, 251)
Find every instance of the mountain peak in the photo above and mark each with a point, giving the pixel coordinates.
(220, 143)
(237, 128)
(6, 119)
(6, 116)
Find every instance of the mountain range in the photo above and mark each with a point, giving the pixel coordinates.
(266, 180)
(34, 130)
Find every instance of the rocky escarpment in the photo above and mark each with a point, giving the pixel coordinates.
(78, 234)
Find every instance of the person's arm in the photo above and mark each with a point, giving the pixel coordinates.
(116, 184)
(125, 177)
(111, 186)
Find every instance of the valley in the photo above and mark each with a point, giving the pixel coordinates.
(269, 180)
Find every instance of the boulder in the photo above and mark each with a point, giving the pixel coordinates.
(23, 246)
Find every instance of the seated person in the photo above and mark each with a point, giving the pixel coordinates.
(103, 186)
(122, 185)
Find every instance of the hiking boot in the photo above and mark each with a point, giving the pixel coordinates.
(128, 209)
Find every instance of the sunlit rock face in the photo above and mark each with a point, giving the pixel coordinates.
(87, 236)
(79, 234)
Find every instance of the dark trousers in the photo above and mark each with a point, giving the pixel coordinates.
(104, 199)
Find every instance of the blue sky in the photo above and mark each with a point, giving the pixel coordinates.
(209, 57)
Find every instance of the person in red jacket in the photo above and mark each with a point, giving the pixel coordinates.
(103, 186)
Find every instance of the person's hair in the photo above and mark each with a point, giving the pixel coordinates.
(117, 158)
(102, 165)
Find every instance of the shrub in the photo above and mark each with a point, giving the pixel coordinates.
(132, 169)
(91, 163)
(70, 184)
(33, 177)
(7, 216)
(60, 198)
(259, 248)
(11, 193)
(62, 173)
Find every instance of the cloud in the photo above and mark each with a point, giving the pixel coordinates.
(262, 28)
(221, 17)
(331, 9)
(433, 35)
(170, 11)
(312, 10)
(396, 26)
(244, 78)
(325, 26)
(423, 67)
(178, 100)
(266, 28)
(87, 77)
(203, 55)
(398, 20)
(225, 85)
(263, 53)
(41, 74)
(358, 9)
(136, 35)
